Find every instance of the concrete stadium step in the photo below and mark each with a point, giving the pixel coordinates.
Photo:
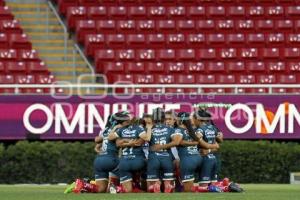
(48, 37)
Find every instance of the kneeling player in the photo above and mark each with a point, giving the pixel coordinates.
(190, 159)
(209, 133)
(130, 139)
(160, 160)
(107, 160)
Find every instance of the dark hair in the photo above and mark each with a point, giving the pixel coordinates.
(185, 120)
(202, 115)
(158, 115)
(121, 117)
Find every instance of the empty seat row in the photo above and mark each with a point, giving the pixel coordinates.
(180, 12)
(199, 67)
(10, 26)
(19, 55)
(14, 41)
(84, 27)
(196, 54)
(64, 4)
(98, 41)
(209, 90)
(26, 79)
(29, 67)
(204, 79)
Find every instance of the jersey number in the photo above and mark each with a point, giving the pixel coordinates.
(127, 151)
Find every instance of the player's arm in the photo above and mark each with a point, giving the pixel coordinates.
(219, 137)
(202, 143)
(206, 145)
(188, 143)
(145, 135)
(125, 143)
(175, 142)
(113, 135)
(98, 139)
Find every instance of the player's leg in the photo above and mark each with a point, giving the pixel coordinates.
(153, 167)
(205, 173)
(188, 166)
(168, 173)
(214, 168)
(102, 166)
(125, 174)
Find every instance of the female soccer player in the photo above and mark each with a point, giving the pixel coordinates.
(107, 160)
(209, 133)
(160, 160)
(129, 138)
(190, 159)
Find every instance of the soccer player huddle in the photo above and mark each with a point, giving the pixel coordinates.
(162, 152)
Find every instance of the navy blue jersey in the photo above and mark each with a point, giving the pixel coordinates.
(108, 147)
(208, 132)
(186, 150)
(131, 132)
(161, 134)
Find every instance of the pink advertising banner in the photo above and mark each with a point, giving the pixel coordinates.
(78, 118)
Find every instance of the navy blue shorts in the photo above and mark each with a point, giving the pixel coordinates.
(128, 166)
(208, 172)
(160, 165)
(189, 166)
(104, 164)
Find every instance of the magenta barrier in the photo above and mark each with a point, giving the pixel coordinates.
(76, 118)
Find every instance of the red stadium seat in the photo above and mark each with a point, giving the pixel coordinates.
(5, 13)
(255, 66)
(16, 67)
(126, 55)
(195, 67)
(146, 54)
(136, 40)
(4, 41)
(235, 67)
(156, 67)
(175, 67)
(19, 41)
(144, 79)
(111, 67)
(6, 79)
(75, 14)
(186, 54)
(206, 79)
(126, 26)
(196, 12)
(83, 28)
(92, 42)
(105, 26)
(134, 68)
(28, 55)
(146, 26)
(37, 67)
(64, 4)
(118, 12)
(266, 79)
(116, 40)
(164, 79)
(166, 54)
(10, 26)
(186, 79)
(137, 12)
(97, 13)
(8, 55)
(288, 79)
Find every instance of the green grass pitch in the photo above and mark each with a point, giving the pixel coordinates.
(253, 192)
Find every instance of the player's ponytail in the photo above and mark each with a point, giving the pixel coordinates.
(184, 118)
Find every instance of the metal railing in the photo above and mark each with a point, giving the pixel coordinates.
(51, 6)
(126, 87)
(77, 49)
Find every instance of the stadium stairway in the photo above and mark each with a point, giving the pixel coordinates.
(47, 37)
